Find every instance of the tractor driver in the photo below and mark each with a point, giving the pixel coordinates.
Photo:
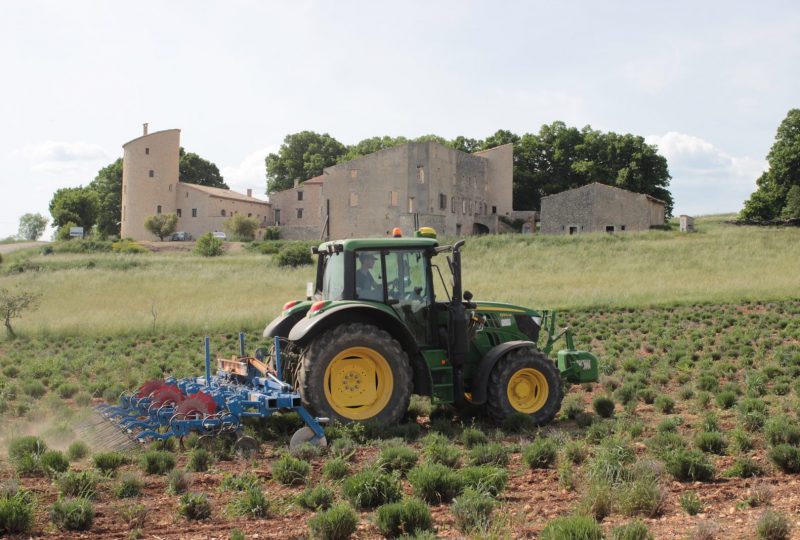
(366, 287)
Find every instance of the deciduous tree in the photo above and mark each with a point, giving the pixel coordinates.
(13, 304)
(772, 194)
(31, 226)
(161, 225)
(79, 205)
(108, 186)
(301, 156)
(241, 227)
(195, 170)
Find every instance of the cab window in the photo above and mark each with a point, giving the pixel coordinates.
(333, 277)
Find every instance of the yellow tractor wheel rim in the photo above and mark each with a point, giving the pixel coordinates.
(358, 383)
(528, 390)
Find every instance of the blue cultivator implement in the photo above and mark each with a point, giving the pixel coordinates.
(213, 405)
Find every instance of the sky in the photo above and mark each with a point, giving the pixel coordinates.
(708, 83)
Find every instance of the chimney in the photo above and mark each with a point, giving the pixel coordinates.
(249, 192)
(144, 126)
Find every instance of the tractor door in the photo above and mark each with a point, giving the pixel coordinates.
(409, 291)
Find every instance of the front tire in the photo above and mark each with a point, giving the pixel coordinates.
(527, 382)
(356, 372)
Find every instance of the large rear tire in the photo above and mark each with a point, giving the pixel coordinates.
(356, 372)
(527, 382)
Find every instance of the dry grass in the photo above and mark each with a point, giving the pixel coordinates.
(719, 264)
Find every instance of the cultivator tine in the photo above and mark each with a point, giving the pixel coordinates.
(103, 434)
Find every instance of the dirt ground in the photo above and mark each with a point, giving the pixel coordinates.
(184, 247)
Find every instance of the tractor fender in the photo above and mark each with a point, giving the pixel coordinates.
(481, 379)
(309, 328)
(283, 324)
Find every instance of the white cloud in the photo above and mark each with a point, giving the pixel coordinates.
(60, 151)
(706, 179)
(250, 173)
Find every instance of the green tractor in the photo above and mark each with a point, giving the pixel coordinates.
(372, 332)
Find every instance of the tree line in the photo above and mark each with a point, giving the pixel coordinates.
(556, 158)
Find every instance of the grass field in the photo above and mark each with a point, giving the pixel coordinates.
(104, 294)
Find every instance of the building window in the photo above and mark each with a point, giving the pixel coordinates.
(411, 206)
(158, 209)
(147, 151)
(223, 213)
(187, 194)
(609, 228)
(170, 187)
(494, 210)
(463, 206)
(178, 212)
(277, 217)
(353, 198)
(299, 195)
(152, 173)
(453, 205)
(393, 198)
(194, 212)
(299, 213)
(249, 214)
(622, 227)
(420, 174)
(442, 201)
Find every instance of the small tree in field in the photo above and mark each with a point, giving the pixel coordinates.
(208, 246)
(161, 225)
(31, 226)
(12, 304)
(241, 227)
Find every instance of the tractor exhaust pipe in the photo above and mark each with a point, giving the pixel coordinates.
(458, 327)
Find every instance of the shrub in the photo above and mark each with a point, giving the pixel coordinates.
(290, 471)
(689, 466)
(77, 450)
(575, 527)
(307, 451)
(773, 526)
(726, 399)
(194, 506)
(294, 255)
(744, 467)
(571, 407)
(664, 404)
(128, 246)
(27, 446)
(53, 462)
(472, 437)
(435, 483)
(711, 442)
(208, 245)
(157, 462)
(541, 453)
(611, 462)
(472, 511)
(16, 511)
(199, 460)
(108, 462)
(741, 441)
(239, 482)
(337, 523)
(371, 488)
(641, 497)
(442, 453)
(406, 517)
(78, 484)
(67, 389)
(647, 395)
(35, 389)
(178, 482)
(130, 485)
(603, 406)
(343, 447)
(782, 430)
(635, 530)
(488, 454)
(317, 498)
(786, 457)
(134, 515)
(662, 444)
(397, 458)
(72, 514)
(485, 479)
(250, 503)
(598, 500)
(691, 503)
(518, 423)
(335, 469)
(575, 451)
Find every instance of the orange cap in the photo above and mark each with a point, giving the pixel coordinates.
(396, 232)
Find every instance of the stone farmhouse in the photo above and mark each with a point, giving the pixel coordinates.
(150, 186)
(415, 185)
(600, 208)
(408, 186)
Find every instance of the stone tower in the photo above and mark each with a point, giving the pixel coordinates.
(149, 179)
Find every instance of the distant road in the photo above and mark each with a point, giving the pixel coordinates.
(8, 248)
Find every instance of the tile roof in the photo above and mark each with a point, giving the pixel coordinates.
(224, 193)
